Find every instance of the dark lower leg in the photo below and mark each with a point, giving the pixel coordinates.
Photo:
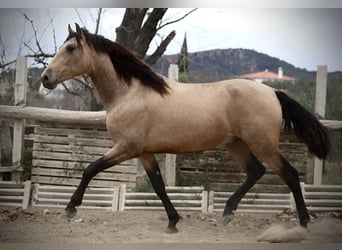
(254, 170)
(155, 177)
(290, 175)
(93, 169)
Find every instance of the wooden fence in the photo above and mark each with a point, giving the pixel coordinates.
(317, 198)
(322, 197)
(252, 202)
(15, 194)
(183, 198)
(53, 196)
(61, 153)
(216, 170)
(119, 198)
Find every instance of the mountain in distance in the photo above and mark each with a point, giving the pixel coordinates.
(220, 64)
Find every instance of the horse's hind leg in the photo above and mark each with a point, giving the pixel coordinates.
(152, 169)
(254, 170)
(290, 176)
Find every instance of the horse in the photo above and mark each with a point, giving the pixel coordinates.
(148, 114)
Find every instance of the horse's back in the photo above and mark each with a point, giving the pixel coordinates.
(201, 116)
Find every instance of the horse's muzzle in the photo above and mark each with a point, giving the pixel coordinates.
(48, 82)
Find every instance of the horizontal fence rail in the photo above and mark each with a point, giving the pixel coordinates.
(15, 194)
(183, 198)
(252, 202)
(53, 115)
(85, 117)
(59, 196)
(322, 197)
(120, 198)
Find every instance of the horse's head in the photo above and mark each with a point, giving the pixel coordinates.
(72, 59)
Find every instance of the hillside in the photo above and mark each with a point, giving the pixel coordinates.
(227, 63)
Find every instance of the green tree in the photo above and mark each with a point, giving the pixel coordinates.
(183, 60)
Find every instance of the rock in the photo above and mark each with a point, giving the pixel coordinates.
(202, 218)
(46, 212)
(80, 220)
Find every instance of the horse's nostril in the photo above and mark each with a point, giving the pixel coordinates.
(49, 83)
(45, 79)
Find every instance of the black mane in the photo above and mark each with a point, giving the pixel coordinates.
(126, 64)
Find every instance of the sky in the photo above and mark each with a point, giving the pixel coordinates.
(301, 36)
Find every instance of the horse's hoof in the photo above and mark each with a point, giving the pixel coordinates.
(304, 222)
(171, 230)
(227, 219)
(70, 212)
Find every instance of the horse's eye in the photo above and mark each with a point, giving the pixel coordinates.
(70, 48)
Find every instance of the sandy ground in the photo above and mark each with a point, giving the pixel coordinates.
(51, 226)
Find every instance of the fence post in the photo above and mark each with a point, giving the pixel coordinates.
(204, 201)
(27, 194)
(116, 198)
(173, 72)
(321, 90)
(122, 197)
(211, 202)
(19, 124)
(170, 159)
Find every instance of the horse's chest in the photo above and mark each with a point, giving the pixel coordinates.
(124, 124)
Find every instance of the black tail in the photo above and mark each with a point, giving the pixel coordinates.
(305, 125)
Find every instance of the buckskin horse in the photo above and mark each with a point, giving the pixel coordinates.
(148, 114)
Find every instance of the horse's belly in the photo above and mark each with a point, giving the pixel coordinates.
(183, 139)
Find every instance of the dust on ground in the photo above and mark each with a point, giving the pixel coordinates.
(39, 225)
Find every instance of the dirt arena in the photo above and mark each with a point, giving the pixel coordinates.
(51, 226)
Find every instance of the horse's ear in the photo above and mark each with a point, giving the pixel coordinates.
(70, 29)
(78, 30)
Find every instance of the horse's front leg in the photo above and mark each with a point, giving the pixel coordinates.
(113, 157)
(152, 169)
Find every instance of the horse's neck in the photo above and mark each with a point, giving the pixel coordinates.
(108, 85)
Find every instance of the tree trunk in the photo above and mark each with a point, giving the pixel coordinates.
(136, 34)
(130, 26)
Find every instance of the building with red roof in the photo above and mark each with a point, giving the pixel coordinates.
(266, 75)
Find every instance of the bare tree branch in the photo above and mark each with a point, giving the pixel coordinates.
(33, 29)
(79, 17)
(98, 20)
(3, 49)
(148, 31)
(41, 54)
(53, 34)
(86, 82)
(152, 59)
(68, 90)
(39, 57)
(38, 54)
(176, 20)
(7, 64)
